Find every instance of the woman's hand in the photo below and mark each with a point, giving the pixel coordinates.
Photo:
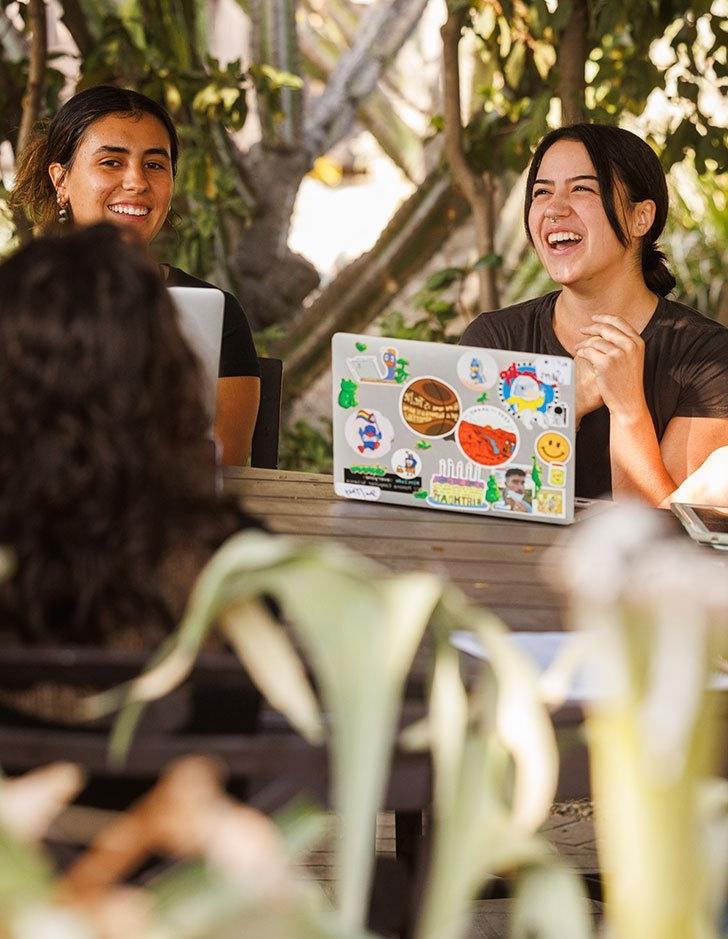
(588, 396)
(616, 353)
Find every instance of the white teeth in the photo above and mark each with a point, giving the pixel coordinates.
(129, 209)
(558, 236)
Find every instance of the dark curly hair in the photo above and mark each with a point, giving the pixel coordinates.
(107, 494)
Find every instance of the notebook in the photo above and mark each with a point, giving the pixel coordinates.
(200, 312)
(455, 428)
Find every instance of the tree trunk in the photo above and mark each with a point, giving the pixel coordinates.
(368, 285)
(269, 278)
(573, 52)
(478, 188)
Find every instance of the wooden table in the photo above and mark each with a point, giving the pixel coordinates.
(509, 566)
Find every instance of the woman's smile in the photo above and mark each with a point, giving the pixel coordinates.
(122, 172)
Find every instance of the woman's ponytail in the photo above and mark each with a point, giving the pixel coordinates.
(657, 274)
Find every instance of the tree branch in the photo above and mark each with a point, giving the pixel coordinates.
(33, 97)
(573, 52)
(77, 25)
(382, 32)
(368, 284)
(478, 188)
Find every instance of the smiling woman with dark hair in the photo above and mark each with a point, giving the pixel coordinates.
(110, 154)
(651, 373)
(108, 498)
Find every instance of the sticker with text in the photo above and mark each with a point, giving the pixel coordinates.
(487, 436)
(554, 371)
(457, 485)
(350, 491)
(430, 407)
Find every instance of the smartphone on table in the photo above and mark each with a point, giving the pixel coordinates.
(707, 524)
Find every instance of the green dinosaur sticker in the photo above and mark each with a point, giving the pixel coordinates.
(422, 494)
(492, 492)
(423, 445)
(536, 474)
(401, 374)
(361, 346)
(347, 394)
(483, 397)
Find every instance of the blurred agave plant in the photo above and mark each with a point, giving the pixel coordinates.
(494, 755)
(654, 614)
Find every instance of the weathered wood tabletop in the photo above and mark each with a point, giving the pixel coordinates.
(506, 565)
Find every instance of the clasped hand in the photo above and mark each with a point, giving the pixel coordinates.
(610, 366)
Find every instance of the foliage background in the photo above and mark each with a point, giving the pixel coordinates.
(312, 77)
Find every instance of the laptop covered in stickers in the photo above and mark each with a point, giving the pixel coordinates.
(457, 428)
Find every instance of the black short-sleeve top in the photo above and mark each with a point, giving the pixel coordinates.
(685, 372)
(237, 354)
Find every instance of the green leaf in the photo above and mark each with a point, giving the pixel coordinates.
(444, 278)
(488, 260)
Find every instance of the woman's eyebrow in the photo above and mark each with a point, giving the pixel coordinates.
(571, 179)
(108, 148)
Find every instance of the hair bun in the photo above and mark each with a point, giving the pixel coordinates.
(657, 274)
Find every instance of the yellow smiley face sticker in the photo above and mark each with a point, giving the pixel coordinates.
(553, 447)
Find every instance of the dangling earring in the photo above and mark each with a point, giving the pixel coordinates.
(64, 212)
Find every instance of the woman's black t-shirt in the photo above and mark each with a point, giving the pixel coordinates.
(685, 371)
(237, 354)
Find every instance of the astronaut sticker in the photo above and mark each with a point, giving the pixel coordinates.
(526, 396)
(369, 433)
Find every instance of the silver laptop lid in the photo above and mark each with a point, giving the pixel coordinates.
(200, 312)
(432, 425)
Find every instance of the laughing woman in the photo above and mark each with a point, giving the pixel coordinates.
(110, 154)
(651, 373)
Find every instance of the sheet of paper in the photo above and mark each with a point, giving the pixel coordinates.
(542, 648)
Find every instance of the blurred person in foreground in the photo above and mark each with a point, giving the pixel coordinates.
(108, 500)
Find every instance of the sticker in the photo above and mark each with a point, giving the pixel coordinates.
(347, 394)
(361, 346)
(511, 490)
(430, 407)
(369, 433)
(382, 481)
(369, 493)
(536, 476)
(554, 371)
(557, 415)
(406, 464)
(457, 485)
(388, 369)
(487, 435)
(525, 395)
(557, 475)
(553, 447)
(477, 370)
(549, 502)
(423, 445)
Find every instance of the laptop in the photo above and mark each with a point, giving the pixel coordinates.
(457, 428)
(200, 311)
